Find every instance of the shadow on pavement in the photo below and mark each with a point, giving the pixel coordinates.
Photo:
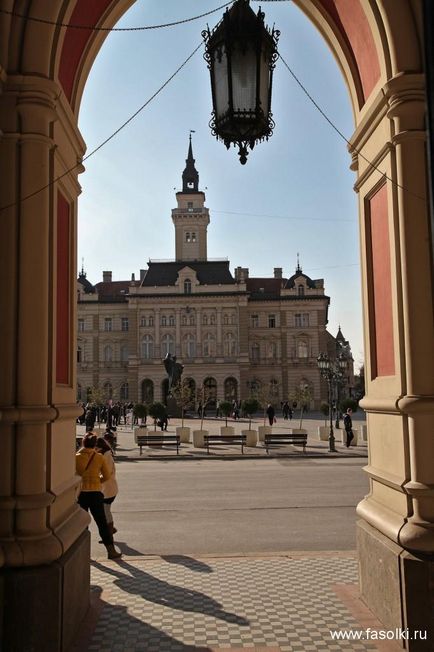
(151, 589)
(188, 562)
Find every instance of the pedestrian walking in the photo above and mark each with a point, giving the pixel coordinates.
(271, 414)
(285, 410)
(110, 486)
(92, 467)
(348, 425)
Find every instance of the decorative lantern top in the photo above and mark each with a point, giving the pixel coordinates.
(241, 53)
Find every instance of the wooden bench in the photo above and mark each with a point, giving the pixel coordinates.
(277, 438)
(225, 439)
(158, 439)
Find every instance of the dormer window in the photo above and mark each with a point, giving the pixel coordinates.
(187, 286)
(301, 290)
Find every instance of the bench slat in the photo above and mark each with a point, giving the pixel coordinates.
(278, 438)
(163, 440)
(225, 439)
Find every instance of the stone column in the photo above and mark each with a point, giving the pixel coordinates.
(42, 528)
(397, 529)
(219, 333)
(199, 333)
(178, 348)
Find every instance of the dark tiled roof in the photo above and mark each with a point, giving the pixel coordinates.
(266, 285)
(113, 291)
(290, 283)
(87, 285)
(209, 272)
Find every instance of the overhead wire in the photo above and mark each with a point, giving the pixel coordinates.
(93, 28)
(109, 138)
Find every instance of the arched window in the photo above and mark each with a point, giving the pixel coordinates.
(189, 346)
(150, 321)
(108, 390)
(193, 237)
(272, 349)
(187, 237)
(167, 345)
(124, 353)
(274, 388)
(301, 290)
(108, 354)
(163, 320)
(184, 320)
(233, 319)
(124, 392)
(212, 319)
(225, 319)
(209, 346)
(147, 347)
(229, 345)
(231, 389)
(205, 320)
(302, 349)
(147, 391)
(255, 351)
(187, 286)
(191, 320)
(171, 320)
(210, 391)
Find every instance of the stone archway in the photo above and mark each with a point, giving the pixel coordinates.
(43, 69)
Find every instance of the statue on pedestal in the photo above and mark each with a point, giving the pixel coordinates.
(174, 370)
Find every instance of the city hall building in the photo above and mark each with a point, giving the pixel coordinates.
(232, 332)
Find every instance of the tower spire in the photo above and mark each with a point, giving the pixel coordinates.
(298, 269)
(190, 176)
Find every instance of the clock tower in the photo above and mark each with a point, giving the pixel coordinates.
(191, 217)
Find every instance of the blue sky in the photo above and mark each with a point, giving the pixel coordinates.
(294, 195)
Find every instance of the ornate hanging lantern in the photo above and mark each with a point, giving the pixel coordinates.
(241, 53)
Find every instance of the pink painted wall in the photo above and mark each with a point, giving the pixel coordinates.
(62, 294)
(383, 353)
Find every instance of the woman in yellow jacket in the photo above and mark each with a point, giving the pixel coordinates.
(93, 469)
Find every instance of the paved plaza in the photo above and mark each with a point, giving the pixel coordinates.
(231, 553)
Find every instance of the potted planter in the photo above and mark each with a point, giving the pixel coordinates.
(323, 433)
(227, 430)
(251, 437)
(198, 438)
(298, 431)
(183, 433)
(263, 430)
(344, 437)
(139, 430)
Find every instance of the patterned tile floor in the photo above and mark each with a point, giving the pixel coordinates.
(285, 603)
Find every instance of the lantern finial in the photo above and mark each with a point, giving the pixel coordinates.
(241, 53)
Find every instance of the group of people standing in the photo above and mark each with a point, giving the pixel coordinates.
(95, 464)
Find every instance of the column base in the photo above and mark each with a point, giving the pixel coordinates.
(42, 607)
(397, 586)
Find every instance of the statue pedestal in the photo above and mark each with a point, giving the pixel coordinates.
(173, 408)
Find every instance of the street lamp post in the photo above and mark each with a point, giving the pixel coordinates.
(331, 371)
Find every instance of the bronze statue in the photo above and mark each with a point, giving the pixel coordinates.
(174, 370)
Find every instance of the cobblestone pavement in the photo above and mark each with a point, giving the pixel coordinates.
(276, 603)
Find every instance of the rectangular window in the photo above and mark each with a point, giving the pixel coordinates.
(142, 321)
(271, 321)
(108, 324)
(306, 319)
(80, 325)
(124, 323)
(254, 321)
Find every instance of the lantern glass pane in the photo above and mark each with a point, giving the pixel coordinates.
(244, 80)
(264, 83)
(221, 90)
